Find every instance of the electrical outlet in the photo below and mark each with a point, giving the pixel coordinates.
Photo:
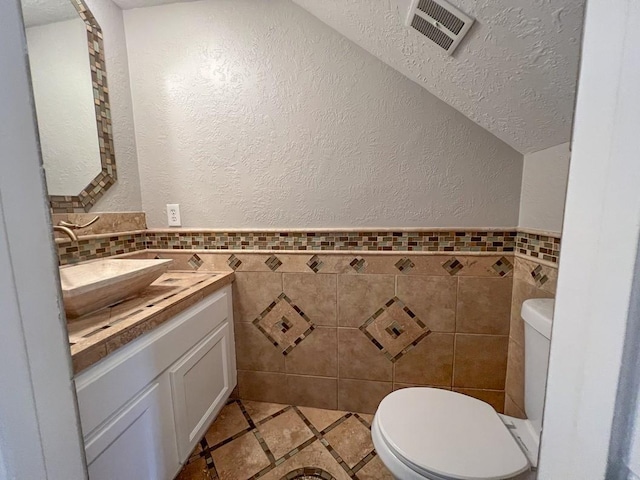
(173, 215)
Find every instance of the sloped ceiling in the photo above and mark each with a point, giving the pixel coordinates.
(514, 74)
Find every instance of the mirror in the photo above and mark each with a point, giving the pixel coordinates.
(69, 81)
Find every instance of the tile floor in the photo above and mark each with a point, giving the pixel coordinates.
(251, 440)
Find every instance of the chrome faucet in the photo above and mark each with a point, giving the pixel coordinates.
(67, 231)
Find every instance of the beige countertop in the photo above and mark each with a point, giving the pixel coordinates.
(94, 336)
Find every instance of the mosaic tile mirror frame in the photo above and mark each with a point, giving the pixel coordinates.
(83, 201)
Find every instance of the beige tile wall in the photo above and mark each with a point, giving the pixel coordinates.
(466, 311)
(469, 304)
(531, 280)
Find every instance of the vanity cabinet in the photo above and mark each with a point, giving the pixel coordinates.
(145, 406)
(200, 385)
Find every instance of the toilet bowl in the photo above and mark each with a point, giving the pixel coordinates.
(429, 433)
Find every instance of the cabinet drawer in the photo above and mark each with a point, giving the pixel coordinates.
(106, 387)
(201, 384)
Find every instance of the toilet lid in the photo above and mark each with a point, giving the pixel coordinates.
(449, 434)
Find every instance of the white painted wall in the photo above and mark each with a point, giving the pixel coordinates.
(125, 194)
(544, 188)
(39, 429)
(256, 114)
(63, 92)
(595, 277)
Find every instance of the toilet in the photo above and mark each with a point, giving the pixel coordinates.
(429, 433)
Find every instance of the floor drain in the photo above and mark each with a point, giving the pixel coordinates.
(308, 473)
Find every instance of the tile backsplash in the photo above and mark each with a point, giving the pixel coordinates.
(338, 319)
(109, 222)
(99, 247)
(343, 338)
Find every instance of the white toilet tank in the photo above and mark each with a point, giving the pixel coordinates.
(538, 316)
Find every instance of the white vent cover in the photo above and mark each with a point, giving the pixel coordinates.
(440, 22)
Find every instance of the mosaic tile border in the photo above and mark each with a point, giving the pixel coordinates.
(536, 246)
(419, 241)
(544, 247)
(318, 436)
(105, 246)
(108, 175)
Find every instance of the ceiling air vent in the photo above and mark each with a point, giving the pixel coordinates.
(440, 22)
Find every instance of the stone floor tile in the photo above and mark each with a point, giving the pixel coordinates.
(240, 459)
(229, 422)
(315, 455)
(260, 410)
(321, 418)
(352, 440)
(284, 433)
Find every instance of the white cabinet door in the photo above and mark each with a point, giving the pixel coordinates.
(130, 445)
(201, 384)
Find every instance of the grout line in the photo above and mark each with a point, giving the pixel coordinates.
(208, 458)
(319, 436)
(455, 334)
(266, 450)
(324, 442)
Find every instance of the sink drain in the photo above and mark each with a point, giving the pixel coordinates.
(308, 473)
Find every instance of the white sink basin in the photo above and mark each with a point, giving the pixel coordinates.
(91, 286)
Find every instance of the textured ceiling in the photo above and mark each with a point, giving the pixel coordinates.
(43, 12)
(514, 74)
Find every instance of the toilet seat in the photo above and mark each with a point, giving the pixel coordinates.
(443, 434)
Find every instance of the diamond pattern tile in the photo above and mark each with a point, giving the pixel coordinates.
(195, 261)
(358, 264)
(273, 263)
(315, 263)
(234, 262)
(284, 324)
(394, 329)
(404, 265)
(287, 443)
(453, 266)
(539, 276)
(503, 266)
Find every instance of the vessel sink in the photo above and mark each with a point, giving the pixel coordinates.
(91, 286)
